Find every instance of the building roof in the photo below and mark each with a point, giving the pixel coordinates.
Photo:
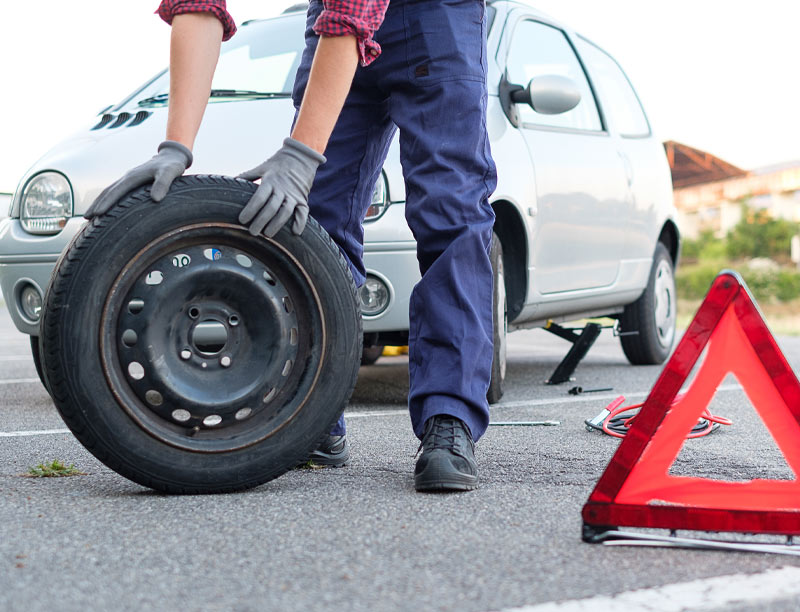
(692, 166)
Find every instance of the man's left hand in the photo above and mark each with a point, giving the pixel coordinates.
(286, 180)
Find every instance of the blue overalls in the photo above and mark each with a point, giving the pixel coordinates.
(430, 82)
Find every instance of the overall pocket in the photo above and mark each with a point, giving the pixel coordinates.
(445, 40)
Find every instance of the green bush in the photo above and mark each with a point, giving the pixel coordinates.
(705, 247)
(759, 235)
(787, 285)
(694, 281)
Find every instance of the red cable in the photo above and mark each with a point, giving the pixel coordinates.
(615, 408)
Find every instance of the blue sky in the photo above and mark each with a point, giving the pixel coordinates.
(718, 75)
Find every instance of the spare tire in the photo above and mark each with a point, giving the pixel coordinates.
(190, 356)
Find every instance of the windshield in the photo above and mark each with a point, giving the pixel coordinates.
(261, 58)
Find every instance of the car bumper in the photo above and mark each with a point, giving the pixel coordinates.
(396, 265)
(27, 259)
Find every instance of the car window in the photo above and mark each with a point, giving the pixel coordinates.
(262, 57)
(538, 49)
(617, 96)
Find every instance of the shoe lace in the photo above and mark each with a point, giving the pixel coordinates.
(441, 435)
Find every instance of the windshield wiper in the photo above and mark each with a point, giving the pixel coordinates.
(158, 99)
(246, 93)
(222, 93)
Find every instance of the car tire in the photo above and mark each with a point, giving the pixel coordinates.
(171, 273)
(371, 354)
(36, 353)
(648, 325)
(499, 323)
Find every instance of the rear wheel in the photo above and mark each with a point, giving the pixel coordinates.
(371, 354)
(499, 324)
(652, 316)
(190, 356)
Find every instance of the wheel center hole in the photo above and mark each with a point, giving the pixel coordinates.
(209, 336)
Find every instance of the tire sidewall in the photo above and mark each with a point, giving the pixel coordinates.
(645, 348)
(74, 305)
(499, 328)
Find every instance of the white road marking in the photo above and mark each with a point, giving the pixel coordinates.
(16, 358)
(387, 413)
(590, 397)
(705, 594)
(375, 413)
(20, 381)
(39, 432)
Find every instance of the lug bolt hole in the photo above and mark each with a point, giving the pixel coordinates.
(233, 320)
(194, 312)
(135, 306)
(136, 370)
(129, 338)
(181, 415)
(212, 420)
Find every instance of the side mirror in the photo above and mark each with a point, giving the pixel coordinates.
(549, 94)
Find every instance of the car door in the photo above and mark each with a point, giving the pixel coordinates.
(581, 184)
(649, 173)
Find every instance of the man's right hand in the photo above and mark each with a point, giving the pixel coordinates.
(172, 160)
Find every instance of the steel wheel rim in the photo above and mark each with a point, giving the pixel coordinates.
(224, 340)
(664, 310)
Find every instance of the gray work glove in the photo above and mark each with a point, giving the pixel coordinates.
(172, 160)
(286, 180)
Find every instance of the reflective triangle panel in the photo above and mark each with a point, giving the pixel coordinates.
(636, 489)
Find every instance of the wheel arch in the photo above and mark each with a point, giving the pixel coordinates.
(510, 228)
(670, 237)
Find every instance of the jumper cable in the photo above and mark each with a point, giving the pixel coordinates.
(612, 422)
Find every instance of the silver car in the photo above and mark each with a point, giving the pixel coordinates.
(585, 220)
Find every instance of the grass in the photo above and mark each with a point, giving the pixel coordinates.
(309, 465)
(783, 318)
(54, 469)
(777, 291)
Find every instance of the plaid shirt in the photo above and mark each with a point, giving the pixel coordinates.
(359, 18)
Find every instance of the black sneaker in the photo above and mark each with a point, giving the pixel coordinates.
(334, 451)
(447, 462)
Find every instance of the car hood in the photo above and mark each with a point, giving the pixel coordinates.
(235, 136)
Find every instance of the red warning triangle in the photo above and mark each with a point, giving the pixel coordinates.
(636, 489)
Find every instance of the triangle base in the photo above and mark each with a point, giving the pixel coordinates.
(628, 538)
(776, 522)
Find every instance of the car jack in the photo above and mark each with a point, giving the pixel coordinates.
(615, 537)
(581, 343)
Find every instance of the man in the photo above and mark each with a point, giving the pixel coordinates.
(370, 67)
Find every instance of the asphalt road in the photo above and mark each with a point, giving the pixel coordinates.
(360, 538)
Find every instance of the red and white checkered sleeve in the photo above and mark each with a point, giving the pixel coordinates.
(169, 8)
(359, 18)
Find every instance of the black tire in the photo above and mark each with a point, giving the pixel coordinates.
(37, 361)
(499, 323)
(653, 315)
(291, 295)
(371, 354)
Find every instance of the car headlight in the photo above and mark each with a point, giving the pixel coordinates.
(380, 200)
(46, 203)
